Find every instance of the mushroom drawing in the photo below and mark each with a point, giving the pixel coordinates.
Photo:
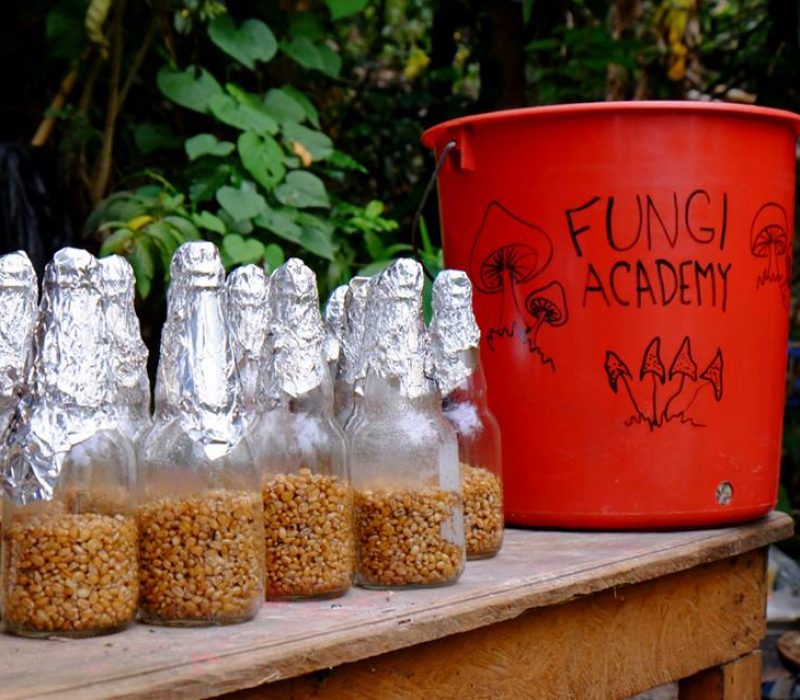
(713, 374)
(769, 239)
(616, 371)
(684, 365)
(547, 305)
(507, 253)
(652, 365)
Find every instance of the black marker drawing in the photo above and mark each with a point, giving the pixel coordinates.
(507, 254)
(769, 239)
(547, 305)
(681, 383)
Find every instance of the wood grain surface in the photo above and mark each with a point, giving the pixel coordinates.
(609, 645)
(534, 570)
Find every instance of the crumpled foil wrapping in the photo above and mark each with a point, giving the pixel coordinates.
(197, 383)
(131, 400)
(334, 325)
(352, 360)
(18, 311)
(71, 380)
(248, 324)
(296, 364)
(453, 332)
(395, 338)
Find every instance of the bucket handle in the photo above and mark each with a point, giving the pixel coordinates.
(449, 146)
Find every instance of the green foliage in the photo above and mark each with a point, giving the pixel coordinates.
(259, 166)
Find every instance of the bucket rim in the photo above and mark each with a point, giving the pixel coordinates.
(432, 137)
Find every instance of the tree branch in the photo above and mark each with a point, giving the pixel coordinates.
(104, 160)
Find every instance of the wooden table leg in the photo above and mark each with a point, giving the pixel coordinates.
(736, 680)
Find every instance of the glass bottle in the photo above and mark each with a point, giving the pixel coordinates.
(308, 513)
(70, 534)
(349, 385)
(334, 329)
(457, 368)
(248, 321)
(404, 455)
(200, 514)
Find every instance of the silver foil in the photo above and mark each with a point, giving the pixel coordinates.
(71, 379)
(130, 403)
(453, 332)
(395, 338)
(18, 301)
(248, 324)
(352, 360)
(197, 383)
(296, 365)
(334, 325)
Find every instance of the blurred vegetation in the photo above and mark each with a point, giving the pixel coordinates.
(292, 126)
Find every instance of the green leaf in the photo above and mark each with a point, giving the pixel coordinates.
(313, 56)
(191, 88)
(302, 99)
(115, 243)
(186, 230)
(345, 8)
(141, 260)
(273, 256)
(206, 177)
(262, 157)
(315, 142)
(527, 10)
(244, 227)
(283, 107)
(154, 137)
(241, 203)
(279, 223)
(317, 235)
(242, 116)
(302, 189)
(64, 31)
(374, 209)
(206, 145)
(206, 220)
(242, 251)
(374, 246)
(345, 162)
(165, 242)
(252, 41)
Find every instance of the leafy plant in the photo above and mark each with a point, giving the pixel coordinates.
(258, 169)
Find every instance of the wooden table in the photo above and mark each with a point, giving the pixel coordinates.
(556, 615)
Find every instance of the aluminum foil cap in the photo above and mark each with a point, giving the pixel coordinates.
(296, 364)
(352, 363)
(71, 382)
(248, 323)
(130, 400)
(453, 332)
(395, 338)
(18, 300)
(197, 382)
(334, 324)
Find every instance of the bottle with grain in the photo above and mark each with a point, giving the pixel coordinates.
(200, 511)
(404, 454)
(70, 564)
(455, 361)
(308, 514)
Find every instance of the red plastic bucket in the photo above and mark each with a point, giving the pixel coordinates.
(631, 266)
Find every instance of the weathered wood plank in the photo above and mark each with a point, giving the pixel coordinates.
(609, 645)
(739, 679)
(535, 569)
